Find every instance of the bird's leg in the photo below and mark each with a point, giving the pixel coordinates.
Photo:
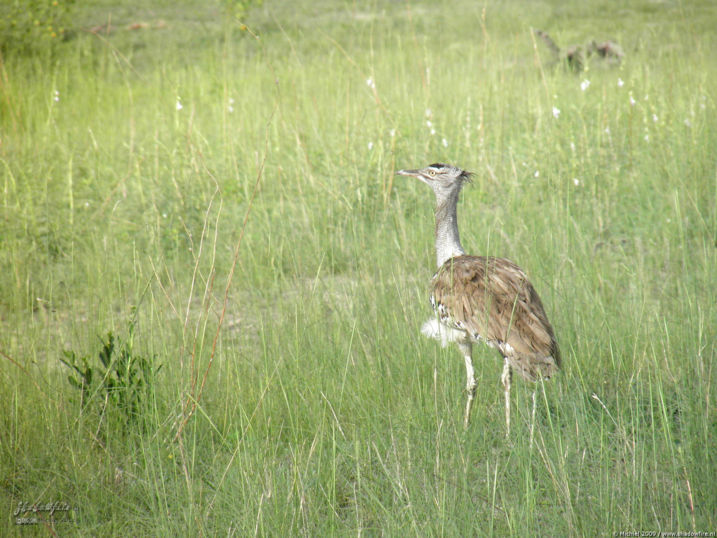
(467, 350)
(506, 378)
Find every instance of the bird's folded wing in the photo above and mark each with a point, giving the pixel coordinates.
(493, 300)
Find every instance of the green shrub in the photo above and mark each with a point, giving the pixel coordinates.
(238, 9)
(121, 380)
(26, 26)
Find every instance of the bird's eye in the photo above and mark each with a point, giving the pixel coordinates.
(431, 173)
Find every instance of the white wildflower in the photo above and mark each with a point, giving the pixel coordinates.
(654, 118)
(429, 113)
(392, 133)
(433, 131)
(179, 103)
(370, 83)
(370, 146)
(445, 143)
(556, 112)
(576, 181)
(585, 84)
(620, 82)
(56, 96)
(537, 174)
(632, 100)
(429, 123)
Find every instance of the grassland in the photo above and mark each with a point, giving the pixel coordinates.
(224, 202)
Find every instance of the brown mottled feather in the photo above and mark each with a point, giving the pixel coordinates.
(492, 300)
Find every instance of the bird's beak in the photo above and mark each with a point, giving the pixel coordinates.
(413, 173)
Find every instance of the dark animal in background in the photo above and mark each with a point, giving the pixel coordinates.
(576, 56)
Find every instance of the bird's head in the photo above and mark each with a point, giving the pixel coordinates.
(442, 178)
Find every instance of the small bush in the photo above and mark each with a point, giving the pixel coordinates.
(239, 9)
(26, 26)
(120, 379)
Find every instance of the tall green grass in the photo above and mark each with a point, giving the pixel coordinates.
(259, 245)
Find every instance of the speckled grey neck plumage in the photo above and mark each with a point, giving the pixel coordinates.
(448, 242)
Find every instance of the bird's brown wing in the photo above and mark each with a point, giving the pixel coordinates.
(493, 300)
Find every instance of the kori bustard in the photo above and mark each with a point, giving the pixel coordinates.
(483, 299)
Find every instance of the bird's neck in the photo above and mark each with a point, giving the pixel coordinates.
(448, 242)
